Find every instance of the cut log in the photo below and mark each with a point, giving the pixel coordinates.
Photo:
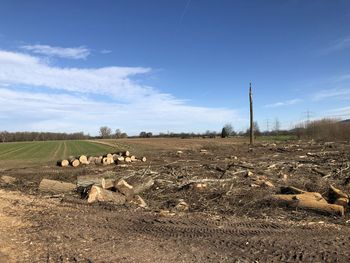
(110, 159)
(73, 161)
(126, 189)
(310, 201)
(115, 157)
(83, 159)
(143, 159)
(137, 200)
(107, 183)
(91, 159)
(143, 185)
(98, 160)
(88, 180)
(109, 155)
(126, 153)
(120, 159)
(56, 187)
(133, 158)
(8, 179)
(98, 194)
(63, 163)
(105, 161)
(127, 160)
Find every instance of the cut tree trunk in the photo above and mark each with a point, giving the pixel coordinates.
(105, 161)
(91, 159)
(98, 160)
(98, 194)
(143, 159)
(73, 161)
(8, 179)
(143, 185)
(126, 189)
(88, 180)
(310, 201)
(120, 159)
(126, 153)
(56, 187)
(63, 163)
(133, 158)
(83, 159)
(127, 159)
(107, 183)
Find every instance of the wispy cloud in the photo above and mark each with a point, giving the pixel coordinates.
(343, 112)
(105, 51)
(71, 52)
(70, 99)
(340, 93)
(339, 44)
(283, 103)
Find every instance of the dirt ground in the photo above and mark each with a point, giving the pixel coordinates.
(228, 221)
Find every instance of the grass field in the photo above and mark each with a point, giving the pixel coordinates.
(22, 154)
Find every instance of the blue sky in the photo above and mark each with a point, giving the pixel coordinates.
(171, 65)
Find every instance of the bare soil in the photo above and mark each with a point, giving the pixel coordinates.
(226, 222)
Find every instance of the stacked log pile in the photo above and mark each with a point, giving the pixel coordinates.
(107, 159)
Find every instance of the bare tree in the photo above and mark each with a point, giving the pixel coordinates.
(105, 132)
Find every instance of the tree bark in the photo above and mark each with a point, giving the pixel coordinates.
(142, 185)
(56, 187)
(98, 194)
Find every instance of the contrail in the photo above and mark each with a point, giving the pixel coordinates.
(185, 10)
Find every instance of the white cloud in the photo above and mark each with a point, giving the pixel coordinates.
(17, 68)
(65, 100)
(283, 103)
(61, 112)
(72, 52)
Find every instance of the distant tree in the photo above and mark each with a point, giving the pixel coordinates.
(227, 131)
(256, 129)
(105, 132)
(143, 134)
(118, 133)
(123, 135)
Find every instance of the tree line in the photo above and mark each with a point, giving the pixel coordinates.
(330, 129)
(6, 136)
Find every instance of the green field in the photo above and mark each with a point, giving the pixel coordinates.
(23, 154)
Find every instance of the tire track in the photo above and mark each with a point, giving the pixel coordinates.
(56, 151)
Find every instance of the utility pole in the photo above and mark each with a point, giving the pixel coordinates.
(251, 115)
